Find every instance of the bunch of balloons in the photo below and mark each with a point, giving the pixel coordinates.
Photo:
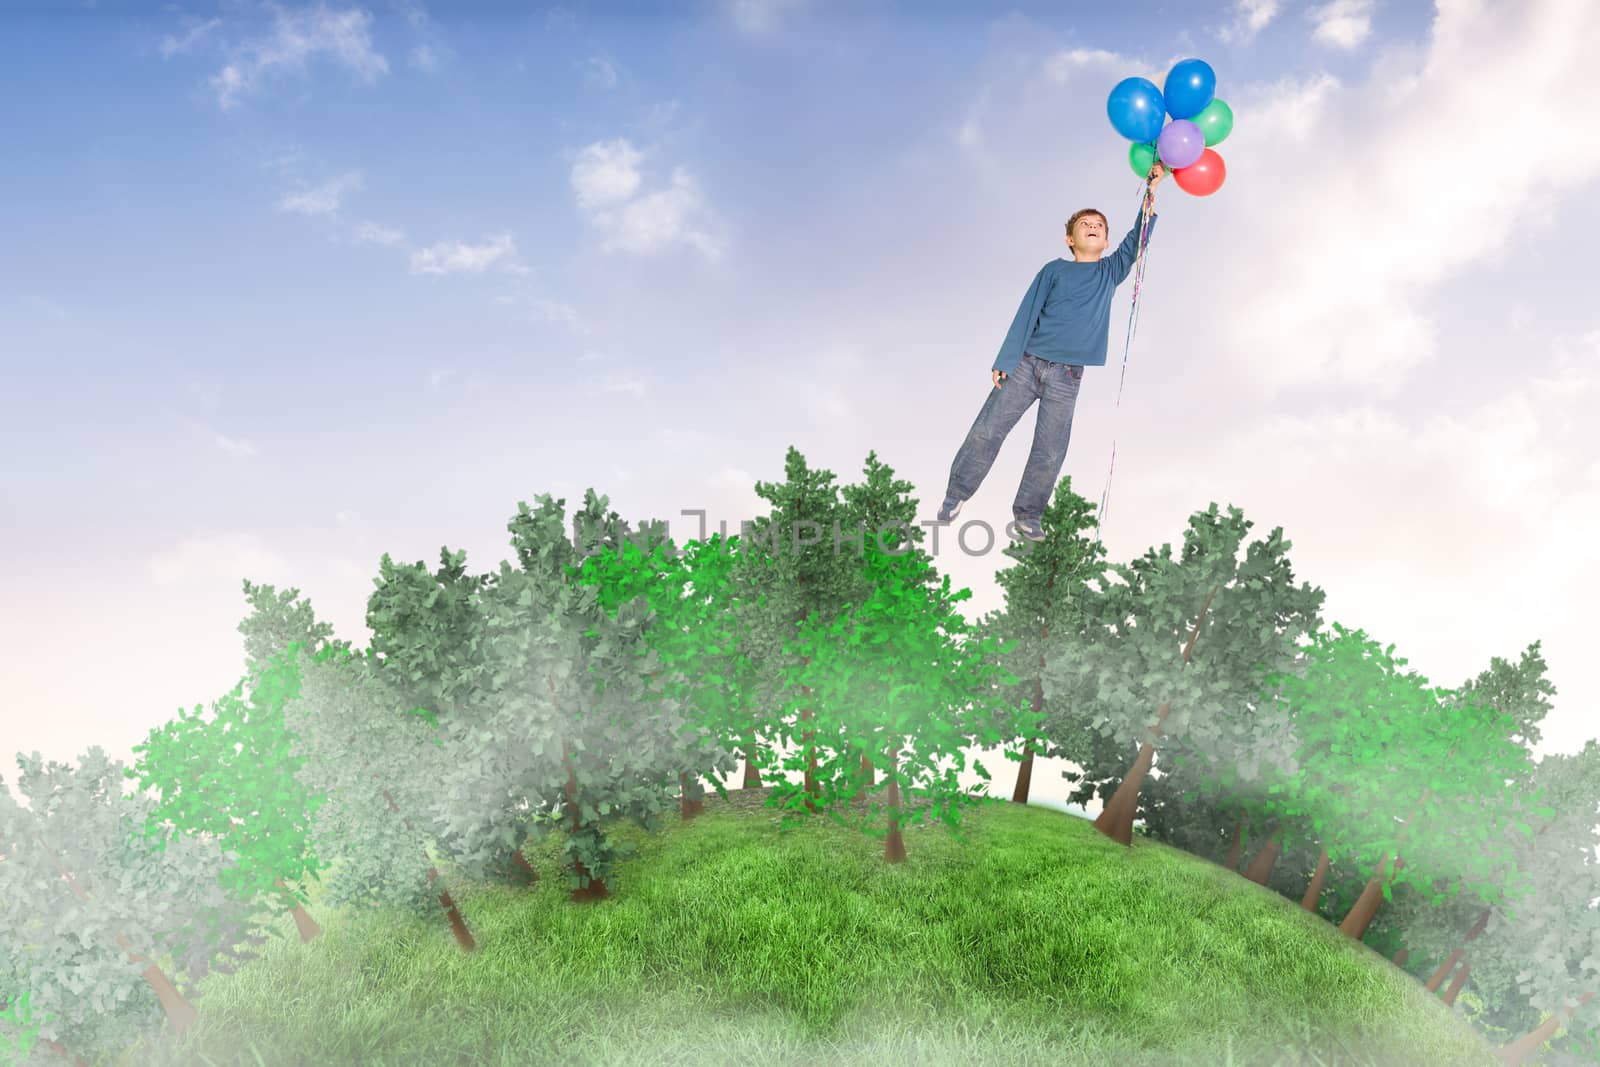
(1199, 120)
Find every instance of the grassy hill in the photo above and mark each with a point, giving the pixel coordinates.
(729, 941)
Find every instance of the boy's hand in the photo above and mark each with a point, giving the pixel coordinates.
(995, 376)
(1157, 172)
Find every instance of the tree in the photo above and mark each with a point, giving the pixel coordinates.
(888, 672)
(1042, 589)
(1130, 655)
(423, 626)
(804, 575)
(232, 779)
(95, 900)
(378, 767)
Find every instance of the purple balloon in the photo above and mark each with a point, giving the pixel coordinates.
(1180, 144)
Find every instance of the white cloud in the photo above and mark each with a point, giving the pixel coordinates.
(171, 46)
(606, 172)
(226, 556)
(607, 180)
(296, 37)
(623, 383)
(323, 199)
(1342, 23)
(424, 58)
(453, 257)
(1060, 68)
(369, 232)
(1331, 271)
(759, 16)
(600, 72)
(235, 447)
(1250, 17)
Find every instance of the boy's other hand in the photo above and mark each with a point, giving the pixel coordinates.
(995, 376)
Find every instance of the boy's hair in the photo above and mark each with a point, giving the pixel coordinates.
(1076, 215)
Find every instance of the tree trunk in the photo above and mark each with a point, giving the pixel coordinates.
(810, 788)
(1459, 981)
(304, 923)
(180, 1013)
(1451, 960)
(452, 914)
(1231, 861)
(894, 846)
(1116, 821)
(685, 805)
(1019, 795)
(1261, 867)
(1318, 880)
(1517, 1052)
(1366, 906)
(752, 775)
(520, 861)
(61, 1050)
(1438, 977)
(1402, 956)
(596, 887)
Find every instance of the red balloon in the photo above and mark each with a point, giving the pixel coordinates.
(1202, 177)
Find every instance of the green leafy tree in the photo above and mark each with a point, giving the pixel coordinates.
(805, 574)
(378, 768)
(231, 777)
(1138, 654)
(424, 626)
(1043, 588)
(889, 674)
(94, 904)
(562, 670)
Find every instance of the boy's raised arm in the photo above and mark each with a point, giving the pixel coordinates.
(1122, 259)
(1022, 326)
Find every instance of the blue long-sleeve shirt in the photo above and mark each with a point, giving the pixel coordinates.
(1066, 315)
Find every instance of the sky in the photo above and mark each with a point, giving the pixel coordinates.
(285, 287)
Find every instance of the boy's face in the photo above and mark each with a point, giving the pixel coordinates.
(1088, 234)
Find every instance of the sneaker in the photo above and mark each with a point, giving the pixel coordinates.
(1030, 529)
(951, 508)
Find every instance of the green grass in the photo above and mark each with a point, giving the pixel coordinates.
(729, 941)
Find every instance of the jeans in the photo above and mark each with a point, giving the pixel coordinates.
(1055, 386)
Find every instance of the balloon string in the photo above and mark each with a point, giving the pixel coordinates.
(1133, 321)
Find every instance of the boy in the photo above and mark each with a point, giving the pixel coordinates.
(1060, 328)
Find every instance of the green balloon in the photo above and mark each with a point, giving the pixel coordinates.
(1215, 121)
(1141, 157)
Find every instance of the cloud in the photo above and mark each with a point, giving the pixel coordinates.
(296, 37)
(368, 232)
(453, 257)
(759, 16)
(607, 179)
(1061, 66)
(623, 383)
(1342, 23)
(226, 556)
(323, 199)
(1334, 266)
(233, 446)
(1250, 17)
(171, 46)
(424, 58)
(606, 172)
(600, 72)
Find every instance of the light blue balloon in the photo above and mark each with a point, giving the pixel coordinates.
(1136, 109)
(1190, 85)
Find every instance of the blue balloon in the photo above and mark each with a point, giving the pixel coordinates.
(1190, 85)
(1136, 109)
